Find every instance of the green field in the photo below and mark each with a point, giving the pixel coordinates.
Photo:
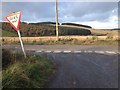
(8, 34)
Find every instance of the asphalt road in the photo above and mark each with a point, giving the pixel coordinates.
(80, 66)
(65, 47)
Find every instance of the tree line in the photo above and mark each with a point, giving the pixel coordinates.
(43, 29)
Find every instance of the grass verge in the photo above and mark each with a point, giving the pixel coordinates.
(70, 42)
(32, 72)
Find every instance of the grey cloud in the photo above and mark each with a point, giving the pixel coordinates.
(31, 11)
(68, 11)
(88, 11)
(82, 8)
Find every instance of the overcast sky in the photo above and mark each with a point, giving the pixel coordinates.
(96, 14)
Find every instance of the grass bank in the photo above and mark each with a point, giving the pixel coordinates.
(32, 72)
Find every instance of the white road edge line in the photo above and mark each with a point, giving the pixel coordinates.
(57, 51)
(99, 52)
(85, 51)
(66, 51)
(111, 52)
(47, 51)
(38, 51)
(77, 51)
(89, 51)
(102, 52)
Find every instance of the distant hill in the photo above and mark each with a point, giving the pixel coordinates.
(39, 23)
(95, 32)
(116, 29)
(45, 29)
(49, 29)
(73, 24)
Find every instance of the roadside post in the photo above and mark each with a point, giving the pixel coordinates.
(14, 20)
(57, 35)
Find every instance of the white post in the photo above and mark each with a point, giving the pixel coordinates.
(57, 20)
(21, 43)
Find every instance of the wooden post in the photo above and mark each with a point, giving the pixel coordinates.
(57, 20)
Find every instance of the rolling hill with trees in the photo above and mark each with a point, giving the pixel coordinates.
(49, 29)
(44, 29)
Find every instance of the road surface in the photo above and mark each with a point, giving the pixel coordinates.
(79, 66)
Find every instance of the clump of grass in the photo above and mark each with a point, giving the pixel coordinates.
(32, 72)
(109, 37)
(94, 38)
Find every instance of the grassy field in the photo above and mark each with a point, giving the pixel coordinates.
(18, 72)
(8, 34)
(73, 42)
(70, 40)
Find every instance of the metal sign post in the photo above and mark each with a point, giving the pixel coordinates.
(21, 43)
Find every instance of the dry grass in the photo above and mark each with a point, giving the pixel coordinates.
(70, 40)
(53, 38)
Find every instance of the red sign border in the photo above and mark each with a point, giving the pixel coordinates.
(18, 20)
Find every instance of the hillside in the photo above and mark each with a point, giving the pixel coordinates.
(74, 24)
(8, 33)
(40, 29)
(44, 23)
(97, 32)
(49, 29)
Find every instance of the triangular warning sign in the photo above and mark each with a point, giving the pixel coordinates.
(14, 20)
